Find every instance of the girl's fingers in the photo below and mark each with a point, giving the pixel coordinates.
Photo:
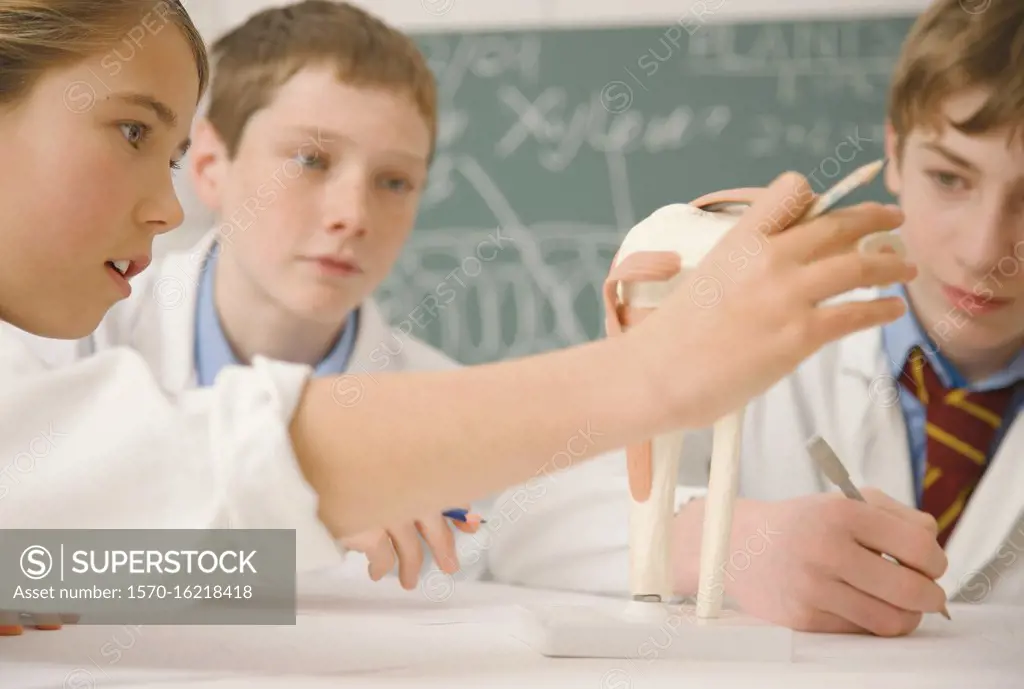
(840, 231)
(780, 205)
(831, 277)
(774, 209)
(831, 323)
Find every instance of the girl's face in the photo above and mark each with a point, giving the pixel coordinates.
(86, 180)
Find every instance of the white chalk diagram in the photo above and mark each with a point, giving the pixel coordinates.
(551, 273)
(544, 270)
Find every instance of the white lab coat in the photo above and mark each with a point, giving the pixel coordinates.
(844, 393)
(158, 323)
(97, 444)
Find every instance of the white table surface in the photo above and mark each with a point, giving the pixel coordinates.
(456, 634)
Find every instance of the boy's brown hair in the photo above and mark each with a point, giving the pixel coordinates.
(957, 46)
(254, 60)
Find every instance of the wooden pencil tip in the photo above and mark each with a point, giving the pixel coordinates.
(871, 170)
(945, 613)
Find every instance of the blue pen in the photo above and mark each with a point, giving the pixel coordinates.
(459, 515)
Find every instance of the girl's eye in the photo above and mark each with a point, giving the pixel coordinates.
(135, 132)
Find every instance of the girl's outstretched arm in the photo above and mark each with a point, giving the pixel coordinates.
(98, 444)
(411, 442)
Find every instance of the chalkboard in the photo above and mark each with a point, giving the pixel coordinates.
(554, 143)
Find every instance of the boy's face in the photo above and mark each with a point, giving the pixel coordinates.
(86, 179)
(963, 201)
(322, 194)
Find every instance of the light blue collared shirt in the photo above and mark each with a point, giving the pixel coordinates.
(898, 338)
(212, 351)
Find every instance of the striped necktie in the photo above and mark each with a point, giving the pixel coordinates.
(960, 427)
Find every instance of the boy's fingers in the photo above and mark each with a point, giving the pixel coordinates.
(471, 525)
(884, 532)
(380, 553)
(410, 555)
(438, 535)
(866, 612)
(824, 622)
(903, 588)
(877, 497)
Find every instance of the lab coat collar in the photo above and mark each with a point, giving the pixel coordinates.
(165, 333)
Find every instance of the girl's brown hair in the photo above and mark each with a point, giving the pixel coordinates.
(39, 35)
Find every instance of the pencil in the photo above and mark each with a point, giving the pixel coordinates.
(461, 515)
(829, 463)
(856, 179)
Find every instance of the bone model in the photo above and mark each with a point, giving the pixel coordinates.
(654, 256)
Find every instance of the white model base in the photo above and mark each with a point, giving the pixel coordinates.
(652, 631)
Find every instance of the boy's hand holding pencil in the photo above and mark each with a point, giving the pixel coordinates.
(402, 545)
(812, 563)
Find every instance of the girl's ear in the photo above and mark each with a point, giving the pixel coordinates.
(208, 163)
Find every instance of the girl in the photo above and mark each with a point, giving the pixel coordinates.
(96, 101)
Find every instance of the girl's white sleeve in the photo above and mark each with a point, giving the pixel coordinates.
(98, 444)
